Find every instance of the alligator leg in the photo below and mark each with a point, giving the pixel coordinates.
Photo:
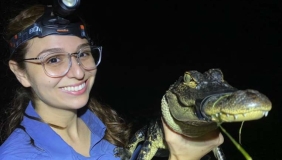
(127, 153)
(153, 143)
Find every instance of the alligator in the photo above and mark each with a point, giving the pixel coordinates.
(194, 106)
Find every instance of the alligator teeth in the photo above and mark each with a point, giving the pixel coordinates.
(265, 114)
(244, 114)
(216, 115)
(227, 115)
(235, 116)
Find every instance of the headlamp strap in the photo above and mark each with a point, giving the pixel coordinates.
(48, 24)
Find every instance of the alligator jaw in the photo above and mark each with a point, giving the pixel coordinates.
(249, 104)
(225, 117)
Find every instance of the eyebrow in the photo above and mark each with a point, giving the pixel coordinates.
(82, 45)
(61, 49)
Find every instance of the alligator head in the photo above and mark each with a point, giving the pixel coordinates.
(196, 103)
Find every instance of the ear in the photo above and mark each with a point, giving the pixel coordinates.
(19, 73)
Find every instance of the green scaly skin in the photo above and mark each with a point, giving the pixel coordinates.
(218, 101)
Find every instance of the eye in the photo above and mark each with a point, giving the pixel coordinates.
(187, 77)
(189, 80)
(54, 58)
(85, 54)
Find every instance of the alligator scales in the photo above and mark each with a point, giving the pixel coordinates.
(194, 106)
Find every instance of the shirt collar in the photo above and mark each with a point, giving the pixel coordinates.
(45, 138)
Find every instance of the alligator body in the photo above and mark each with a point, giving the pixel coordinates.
(194, 106)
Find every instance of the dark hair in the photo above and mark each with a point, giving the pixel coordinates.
(118, 131)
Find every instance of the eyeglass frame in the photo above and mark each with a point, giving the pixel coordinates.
(70, 61)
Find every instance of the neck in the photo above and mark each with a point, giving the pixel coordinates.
(58, 118)
(71, 128)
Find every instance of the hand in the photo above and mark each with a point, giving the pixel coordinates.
(185, 148)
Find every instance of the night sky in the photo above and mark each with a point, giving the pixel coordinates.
(148, 45)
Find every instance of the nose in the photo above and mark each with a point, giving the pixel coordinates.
(76, 70)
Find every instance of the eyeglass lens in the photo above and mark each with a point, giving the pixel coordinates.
(58, 64)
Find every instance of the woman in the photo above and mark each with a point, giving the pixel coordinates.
(53, 116)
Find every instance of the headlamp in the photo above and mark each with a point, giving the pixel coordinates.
(56, 20)
(70, 3)
(64, 8)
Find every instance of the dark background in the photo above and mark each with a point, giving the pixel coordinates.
(147, 45)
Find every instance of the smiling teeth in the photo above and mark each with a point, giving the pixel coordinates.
(74, 88)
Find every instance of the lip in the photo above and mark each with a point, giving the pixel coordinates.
(82, 91)
(77, 84)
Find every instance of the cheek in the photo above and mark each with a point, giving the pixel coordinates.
(42, 83)
(93, 76)
(35, 71)
(43, 88)
(37, 75)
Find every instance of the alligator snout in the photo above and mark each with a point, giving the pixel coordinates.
(241, 105)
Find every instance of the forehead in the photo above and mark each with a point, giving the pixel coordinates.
(66, 43)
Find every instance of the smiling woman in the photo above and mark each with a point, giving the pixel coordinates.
(56, 86)
(53, 116)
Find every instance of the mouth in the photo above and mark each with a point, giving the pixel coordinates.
(74, 88)
(239, 117)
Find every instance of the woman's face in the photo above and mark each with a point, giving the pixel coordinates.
(58, 92)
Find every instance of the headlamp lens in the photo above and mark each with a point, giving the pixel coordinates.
(70, 3)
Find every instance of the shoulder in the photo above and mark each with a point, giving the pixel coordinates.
(18, 146)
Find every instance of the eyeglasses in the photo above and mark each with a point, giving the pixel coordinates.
(58, 63)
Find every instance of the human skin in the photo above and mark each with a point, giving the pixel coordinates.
(49, 91)
(185, 148)
(53, 101)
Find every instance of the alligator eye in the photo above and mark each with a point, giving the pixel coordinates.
(189, 80)
(187, 77)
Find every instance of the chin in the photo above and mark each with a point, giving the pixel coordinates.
(77, 103)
